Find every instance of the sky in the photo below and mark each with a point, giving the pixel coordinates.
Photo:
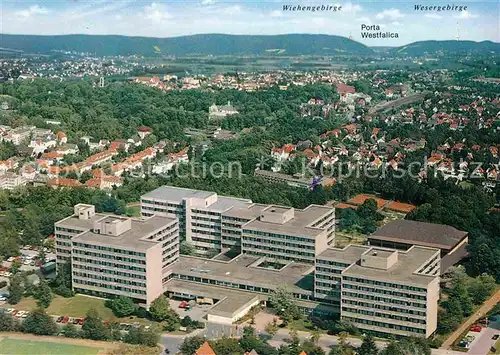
(157, 18)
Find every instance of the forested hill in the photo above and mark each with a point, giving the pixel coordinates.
(203, 44)
(445, 47)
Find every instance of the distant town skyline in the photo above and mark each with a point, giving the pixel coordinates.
(478, 22)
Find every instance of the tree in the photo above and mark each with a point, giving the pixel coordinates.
(368, 347)
(160, 309)
(62, 283)
(43, 294)
(481, 288)
(93, 327)
(343, 348)
(186, 248)
(191, 344)
(151, 336)
(71, 331)
(122, 306)
(226, 346)
(15, 288)
(39, 323)
(315, 335)
(283, 302)
(8, 323)
(272, 327)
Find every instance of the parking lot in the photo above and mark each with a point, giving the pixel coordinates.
(62, 320)
(196, 312)
(486, 338)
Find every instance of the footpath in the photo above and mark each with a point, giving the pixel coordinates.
(481, 312)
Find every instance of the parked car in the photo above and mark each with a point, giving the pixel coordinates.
(476, 328)
(76, 320)
(495, 337)
(3, 298)
(59, 319)
(65, 320)
(81, 320)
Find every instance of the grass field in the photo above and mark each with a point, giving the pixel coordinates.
(10, 346)
(76, 306)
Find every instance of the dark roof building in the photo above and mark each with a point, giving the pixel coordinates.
(402, 234)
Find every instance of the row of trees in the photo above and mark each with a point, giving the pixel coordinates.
(462, 295)
(38, 322)
(294, 346)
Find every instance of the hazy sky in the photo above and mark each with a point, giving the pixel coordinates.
(171, 18)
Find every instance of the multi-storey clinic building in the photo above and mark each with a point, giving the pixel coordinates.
(384, 291)
(114, 255)
(379, 290)
(212, 222)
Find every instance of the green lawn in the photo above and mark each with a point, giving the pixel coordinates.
(76, 306)
(133, 211)
(9, 346)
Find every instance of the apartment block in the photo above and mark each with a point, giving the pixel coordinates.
(215, 223)
(383, 291)
(114, 255)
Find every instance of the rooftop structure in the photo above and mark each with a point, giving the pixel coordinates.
(402, 234)
(214, 223)
(114, 255)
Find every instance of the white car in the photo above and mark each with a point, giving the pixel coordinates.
(11, 259)
(3, 298)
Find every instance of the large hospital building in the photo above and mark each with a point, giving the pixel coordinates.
(257, 248)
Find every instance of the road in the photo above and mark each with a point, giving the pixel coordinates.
(484, 309)
(214, 331)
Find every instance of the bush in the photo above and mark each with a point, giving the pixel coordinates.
(70, 331)
(8, 323)
(141, 312)
(121, 306)
(3, 284)
(39, 323)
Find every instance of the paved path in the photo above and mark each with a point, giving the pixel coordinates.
(485, 308)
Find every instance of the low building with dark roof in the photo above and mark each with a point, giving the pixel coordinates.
(403, 234)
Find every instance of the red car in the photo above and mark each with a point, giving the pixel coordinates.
(476, 328)
(183, 304)
(65, 319)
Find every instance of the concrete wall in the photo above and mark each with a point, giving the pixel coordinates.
(154, 273)
(432, 307)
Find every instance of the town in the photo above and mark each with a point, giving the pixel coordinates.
(288, 210)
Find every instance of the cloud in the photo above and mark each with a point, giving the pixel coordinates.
(466, 15)
(276, 13)
(233, 10)
(396, 23)
(365, 20)
(33, 10)
(350, 7)
(156, 12)
(433, 16)
(392, 14)
(207, 2)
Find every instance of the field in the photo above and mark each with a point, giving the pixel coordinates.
(76, 306)
(18, 346)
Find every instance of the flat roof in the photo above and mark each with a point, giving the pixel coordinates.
(74, 222)
(299, 225)
(349, 254)
(130, 239)
(253, 211)
(172, 193)
(225, 203)
(241, 269)
(420, 233)
(230, 301)
(403, 271)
